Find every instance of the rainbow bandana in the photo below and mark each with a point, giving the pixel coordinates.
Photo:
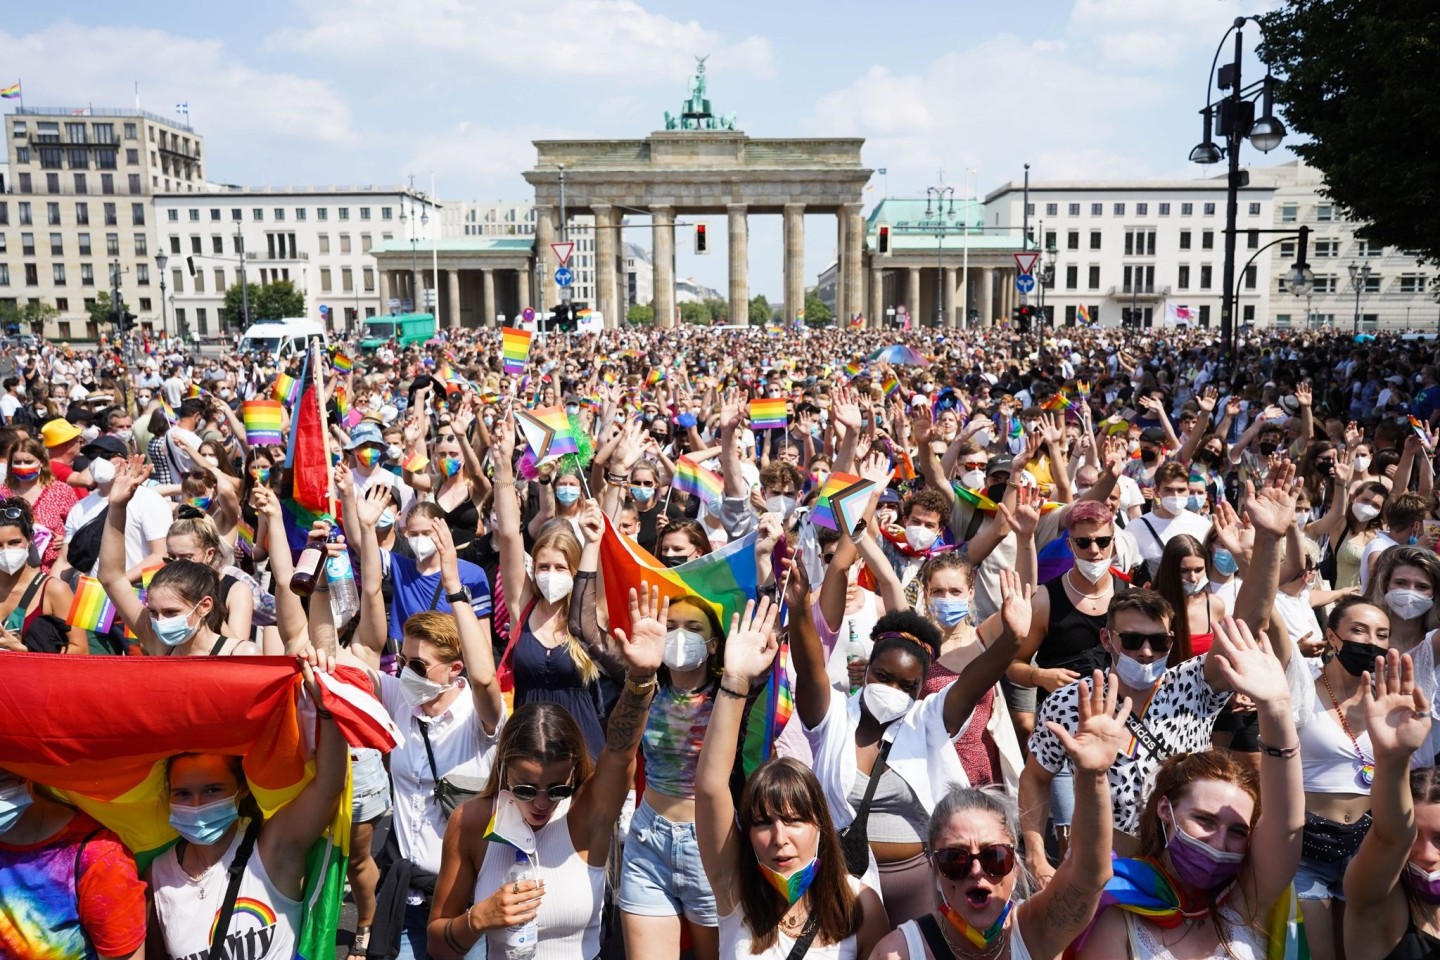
(1141, 887)
(978, 937)
(793, 887)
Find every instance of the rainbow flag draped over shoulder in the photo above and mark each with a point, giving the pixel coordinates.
(514, 349)
(264, 422)
(695, 480)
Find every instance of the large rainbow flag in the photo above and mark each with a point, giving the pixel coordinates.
(244, 706)
(305, 496)
(515, 348)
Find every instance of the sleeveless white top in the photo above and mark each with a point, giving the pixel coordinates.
(263, 926)
(915, 940)
(735, 940)
(569, 917)
(1244, 942)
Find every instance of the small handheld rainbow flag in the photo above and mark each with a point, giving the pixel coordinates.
(285, 388)
(891, 386)
(767, 414)
(1082, 387)
(168, 411)
(416, 463)
(342, 362)
(547, 431)
(515, 348)
(1419, 429)
(1058, 402)
(264, 422)
(655, 375)
(695, 480)
(853, 369)
(1082, 313)
(194, 391)
(975, 498)
(247, 537)
(91, 609)
(842, 502)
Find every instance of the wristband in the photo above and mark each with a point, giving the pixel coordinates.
(1283, 753)
(641, 688)
(734, 693)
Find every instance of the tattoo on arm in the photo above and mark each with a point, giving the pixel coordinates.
(627, 722)
(1070, 908)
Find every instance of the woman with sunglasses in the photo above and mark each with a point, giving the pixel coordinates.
(984, 900)
(557, 813)
(34, 606)
(1213, 860)
(774, 859)
(28, 476)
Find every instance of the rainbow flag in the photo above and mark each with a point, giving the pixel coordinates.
(242, 706)
(1057, 402)
(168, 411)
(767, 414)
(655, 375)
(842, 502)
(264, 422)
(247, 536)
(1419, 429)
(853, 370)
(11, 92)
(779, 705)
(148, 573)
(547, 431)
(1082, 387)
(416, 463)
(193, 392)
(583, 313)
(91, 609)
(515, 348)
(975, 498)
(891, 386)
(342, 362)
(695, 480)
(1082, 313)
(285, 388)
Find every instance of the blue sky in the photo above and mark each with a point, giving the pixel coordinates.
(368, 91)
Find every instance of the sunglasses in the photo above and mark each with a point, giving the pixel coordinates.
(996, 861)
(413, 663)
(12, 513)
(1084, 542)
(1132, 641)
(525, 792)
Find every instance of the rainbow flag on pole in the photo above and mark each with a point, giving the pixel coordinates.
(547, 431)
(264, 422)
(11, 92)
(767, 414)
(515, 348)
(91, 608)
(285, 388)
(891, 386)
(1082, 313)
(695, 480)
(342, 362)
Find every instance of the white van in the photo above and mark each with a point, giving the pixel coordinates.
(279, 339)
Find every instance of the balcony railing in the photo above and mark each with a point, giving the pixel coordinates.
(1141, 291)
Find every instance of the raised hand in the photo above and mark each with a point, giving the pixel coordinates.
(1249, 664)
(128, 478)
(1272, 508)
(875, 467)
(1303, 394)
(1344, 467)
(1050, 427)
(922, 427)
(1233, 406)
(1208, 399)
(643, 649)
(1100, 734)
(592, 521)
(797, 583)
(445, 550)
(1396, 711)
(750, 646)
(502, 437)
(1015, 603)
(844, 409)
(732, 410)
(372, 504)
(263, 499)
(1026, 516)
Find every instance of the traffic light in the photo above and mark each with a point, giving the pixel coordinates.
(127, 322)
(702, 243)
(190, 265)
(1024, 314)
(884, 242)
(561, 318)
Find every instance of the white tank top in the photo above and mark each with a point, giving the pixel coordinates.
(569, 915)
(1243, 942)
(735, 940)
(915, 940)
(263, 926)
(1327, 754)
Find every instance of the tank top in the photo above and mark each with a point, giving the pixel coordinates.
(1415, 944)
(1072, 638)
(462, 521)
(569, 915)
(1200, 642)
(915, 940)
(264, 925)
(735, 940)
(1327, 755)
(1241, 942)
(1347, 562)
(674, 734)
(979, 756)
(896, 815)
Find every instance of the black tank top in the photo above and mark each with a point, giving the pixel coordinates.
(1415, 944)
(462, 521)
(1072, 638)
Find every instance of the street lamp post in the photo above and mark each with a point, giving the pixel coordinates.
(160, 260)
(936, 200)
(1046, 279)
(244, 287)
(1359, 275)
(1234, 118)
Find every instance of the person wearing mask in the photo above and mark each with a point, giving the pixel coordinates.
(34, 606)
(166, 456)
(1404, 515)
(28, 476)
(918, 535)
(559, 499)
(681, 541)
(1361, 526)
(194, 536)
(148, 520)
(1181, 579)
(365, 451)
(116, 422)
(1169, 517)
(459, 482)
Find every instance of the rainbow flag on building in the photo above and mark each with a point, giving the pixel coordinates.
(547, 431)
(695, 480)
(91, 609)
(767, 414)
(11, 92)
(515, 349)
(264, 422)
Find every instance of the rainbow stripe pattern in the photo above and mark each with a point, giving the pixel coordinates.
(247, 537)
(793, 887)
(975, 498)
(264, 422)
(891, 386)
(91, 609)
(842, 502)
(767, 414)
(695, 480)
(1058, 402)
(853, 370)
(416, 463)
(515, 348)
(285, 388)
(342, 362)
(654, 377)
(547, 431)
(1082, 313)
(11, 92)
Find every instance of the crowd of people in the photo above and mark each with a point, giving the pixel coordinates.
(1090, 642)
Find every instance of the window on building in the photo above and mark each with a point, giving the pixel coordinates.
(194, 214)
(112, 244)
(1325, 212)
(1206, 275)
(1209, 209)
(1072, 239)
(1252, 239)
(27, 244)
(344, 241)
(172, 215)
(57, 245)
(32, 275)
(1250, 274)
(387, 213)
(25, 184)
(1325, 249)
(1372, 283)
(324, 241)
(57, 274)
(1052, 209)
(52, 183)
(199, 280)
(195, 243)
(52, 214)
(1287, 249)
(1254, 209)
(300, 213)
(1093, 277)
(322, 213)
(1164, 209)
(236, 214)
(177, 280)
(1073, 209)
(344, 213)
(1368, 248)
(112, 215)
(1184, 239)
(1142, 209)
(1119, 210)
(105, 159)
(1140, 243)
(134, 184)
(175, 245)
(325, 280)
(4, 275)
(1094, 239)
(83, 239)
(347, 280)
(1029, 209)
(87, 275)
(1207, 239)
(1182, 277)
(1324, 284)
(202, 320)
(368, 274)
(1247, 313)
(51, 158)
(142, 245)
(25, 217)
(219, 276)
(1072, 276)
(1049, 239)
(1412, 283)
(257, 214)
(1289, 213)
(279, 214)
(1097, 209)
(364, 213)
(142, 274)
(1187, 209)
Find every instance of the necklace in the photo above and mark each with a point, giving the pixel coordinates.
(790, 924)
(1366, 776)
(1080, 596)
(966, 948)
(204, 873)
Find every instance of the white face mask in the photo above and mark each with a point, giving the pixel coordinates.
(1405, 604)
(1093, 570)
(973, 479)
(1365, 512)
(125, 434)
(1174, 505)
(1137, 675)
(102, 471)
(1192, 588)
(1361, 464)
(418, 690)
(13, 559)
(920, 538)
(684, 649)
(553, 586)
(423, 547)
(885, 702)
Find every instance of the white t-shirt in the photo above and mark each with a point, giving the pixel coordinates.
(147, 518)
(735, 939)
(1152, 531)
(9, 403)
(1380, 544)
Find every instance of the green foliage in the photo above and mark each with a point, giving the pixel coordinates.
(268, 302)
(1353, 84)
(641, 314)
(719, 310)
(102, 311)
(761, 312)
(696, 312)
(816, 313)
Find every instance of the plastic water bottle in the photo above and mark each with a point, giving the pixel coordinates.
(344, 593)
(855, 649)
(520, 939)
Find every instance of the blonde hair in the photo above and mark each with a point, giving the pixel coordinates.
(206, 534)
(558, 535)
(435, 628)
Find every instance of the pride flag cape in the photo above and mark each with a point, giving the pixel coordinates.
(263, 422)
(515, 348)
(244, 706)
(695, 480)
(842, 502)
(547, 431)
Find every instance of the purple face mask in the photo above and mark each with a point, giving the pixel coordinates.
(1197, 863)
(1425, 885)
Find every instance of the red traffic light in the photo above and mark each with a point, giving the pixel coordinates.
(702, 243)
(884, 242)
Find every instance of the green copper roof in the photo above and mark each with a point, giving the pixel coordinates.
(914, 224)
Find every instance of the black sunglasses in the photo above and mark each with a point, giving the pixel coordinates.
(413, 663)
(996, 861)
(1133, 640)
(1084, 542)
(525, 792)
(12, 513)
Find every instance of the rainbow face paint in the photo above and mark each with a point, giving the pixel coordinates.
(980, 938)
(793, 887)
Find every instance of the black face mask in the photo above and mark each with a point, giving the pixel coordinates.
(1357, 657)
(674, 561)
(1149, 456)
(1267, 448)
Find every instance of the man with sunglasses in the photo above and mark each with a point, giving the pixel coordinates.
(1175, 702)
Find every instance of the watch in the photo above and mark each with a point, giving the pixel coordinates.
(459, 596)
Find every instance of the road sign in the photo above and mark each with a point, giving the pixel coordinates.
(528, 314)
(1025, 262)
(1025, 283)
(563, 277)
(562, 251)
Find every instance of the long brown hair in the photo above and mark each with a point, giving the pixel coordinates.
(786, 789)
(1167, 584)
(557, 534)
(37, 450)
(194, 581)
(540, 731)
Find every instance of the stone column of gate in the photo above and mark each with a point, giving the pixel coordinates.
(544, 236)
(605, 261)
(487, 298)
(912, 298)
(453, 280)
(739, 234)
(522, 283)
(853, 278)
(947, 300)
(662, 234)
(877, 299)
(384, 292)
(794, 262)
(987, 297)
(842, 250)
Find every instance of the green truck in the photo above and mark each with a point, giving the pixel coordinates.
(404, 328)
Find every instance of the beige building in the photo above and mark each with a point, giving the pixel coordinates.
(77, 210)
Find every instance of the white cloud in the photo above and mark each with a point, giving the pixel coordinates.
(613, 39)
(471, 153)
(234, 104)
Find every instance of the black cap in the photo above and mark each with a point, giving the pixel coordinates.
(1152, 435)
(997, 465)
(889, 496)
(104, 447)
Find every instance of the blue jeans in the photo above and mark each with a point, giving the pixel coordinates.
(1062, 796)
(412, 938)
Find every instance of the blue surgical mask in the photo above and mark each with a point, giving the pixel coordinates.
(950, 610)
(1193, 503)
(642, 494)
(387, 520)
(1225, 564)
(173, 631)
(13, 801)
(567, 495)
(206, 823)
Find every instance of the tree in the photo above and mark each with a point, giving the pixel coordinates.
(719, 310)
(816, 313)
(640, 314)
(37, 313)
(696, 312)
(761, 312)
(101, 310)
(1352, 82)
(268, 302)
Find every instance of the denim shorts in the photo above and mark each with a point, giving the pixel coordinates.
(1317, 880)
(661, 875)
(370, 788)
